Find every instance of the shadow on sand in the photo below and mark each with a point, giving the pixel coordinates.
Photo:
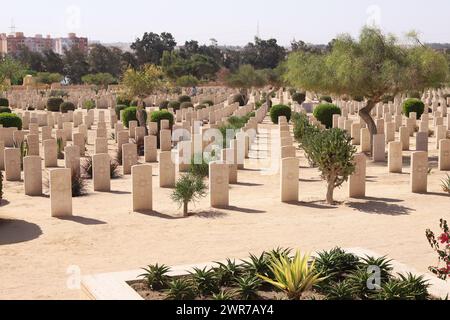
(83, 220)
(17, 231)
(380, 206)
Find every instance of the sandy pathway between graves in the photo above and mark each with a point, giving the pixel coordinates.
(36, 250)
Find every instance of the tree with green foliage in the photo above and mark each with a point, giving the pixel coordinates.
(263, 54)
(150, 48)
(187, 81)
(142, 83)
(48, 78)
(245, 78)
(104, 60)
(10, 70)
(188, 188)
(372, 66)
(99, 79)
(75, 64)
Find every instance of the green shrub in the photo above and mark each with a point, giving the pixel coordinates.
(182, 99)
(10, 120)
(299, 97)
(238, 98)
(5, 110)
(326, 99)
(4, 102)
(157, 116)
(188, 188)
(89, 104)
(58, 93)
(186, 105)
(129, 114)
(119, 108)
(413, 105)
(164, 105)
(123, 101)
(324, 113)
(175, 105)
(278, 111)
(207, 102)
(66, 107)
(54, 103)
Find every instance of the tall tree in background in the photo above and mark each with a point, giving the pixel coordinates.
(373, 66)
(150, 48)
(102, 59)
(53, 62)
(263, 54)
(75, 64)
(11, 69)
(245, 78)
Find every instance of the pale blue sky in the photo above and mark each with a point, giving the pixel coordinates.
(231, 22)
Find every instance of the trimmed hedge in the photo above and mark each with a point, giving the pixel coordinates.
(53, 104)
(299, 97)
(278, 111)
(164, 105)
(207, 102)
(182, 99)
(65, 107)
(238, 98)
(324, 113)
(5, 110)
(119, 108)
(186, 105)
(4, 102)
(200, 106)
(10, 120)
(175, 105)
(326, 99)
(157, 116)
(413, 105)
(129, 114)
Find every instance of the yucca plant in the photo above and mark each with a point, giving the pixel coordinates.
(188, 188)
(205, 281)
(416, 285)
(224, 296)
(156, 276)
(180, 289)
(60, 148)
(293, 276)
(228, 271)
(445, 184)
(247, 287)
(382, 263)
(342, 290)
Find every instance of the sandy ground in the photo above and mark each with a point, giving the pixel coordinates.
(37, 252)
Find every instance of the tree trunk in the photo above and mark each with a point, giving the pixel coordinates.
(185, 209)
(140, 115)
(364, 113)
(330, 191)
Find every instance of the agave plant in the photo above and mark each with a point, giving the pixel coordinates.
(342, 290)
(362, 282)
(205, 281)
(224, 296)
(293, 276)
(247, 287)
(257, 265)
(445, 184)
(383, 264)
(227, 272)
(336, 263)
(180, 289)
(156, 276)
(395, 289)
(416, 285)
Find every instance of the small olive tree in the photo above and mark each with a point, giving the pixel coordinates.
(373, 66)
(140, 84)
(332, 152)
(189, 188)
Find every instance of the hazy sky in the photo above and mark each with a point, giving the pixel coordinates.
(232, 22)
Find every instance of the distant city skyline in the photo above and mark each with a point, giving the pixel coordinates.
(230, 22)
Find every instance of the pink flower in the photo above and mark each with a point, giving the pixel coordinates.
(444, 238)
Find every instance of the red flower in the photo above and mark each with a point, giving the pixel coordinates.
(444, 238)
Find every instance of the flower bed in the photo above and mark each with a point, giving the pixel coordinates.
(284, 274)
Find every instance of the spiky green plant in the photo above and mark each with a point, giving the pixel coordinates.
(224, 296)
(335, 263)
(416, 285)
(188, 188)
(294, 276)
(360, 280)
(205, 281)
(247, 287)
(180, 289)
(445, 184)
(156, 276)
(395, 289)
(384, 265)
(257, 264)
(342, 290)
(228, 271)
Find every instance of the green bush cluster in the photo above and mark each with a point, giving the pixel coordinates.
(299, 97)
(65, 107)
(10, 120)
(326, 99)
(186, 105)
(324, 113)
(119, 108)
(54, 103)
(278, 111)
(175, 105)
(5, 110)
(413, 105)
(89, 104)
(164, 105)
(157, 116)
(182, 99)
(4, 102)
(129, 114)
